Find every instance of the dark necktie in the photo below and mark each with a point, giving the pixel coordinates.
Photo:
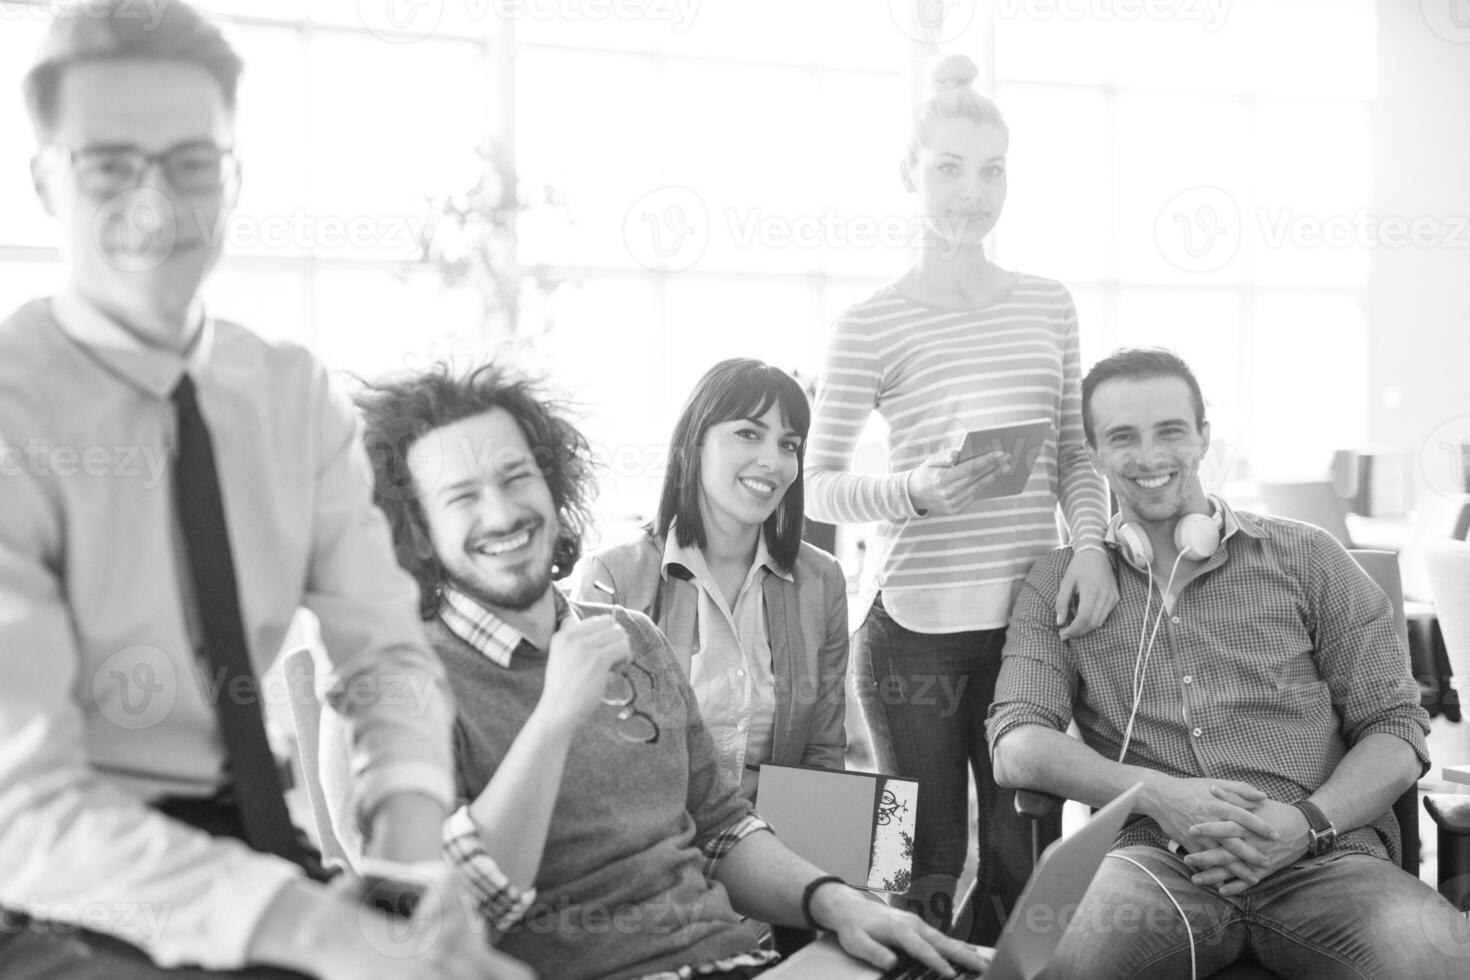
(251, 765)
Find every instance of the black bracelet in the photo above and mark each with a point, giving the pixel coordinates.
(806, 898)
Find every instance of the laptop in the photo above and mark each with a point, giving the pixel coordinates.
(1027, 943)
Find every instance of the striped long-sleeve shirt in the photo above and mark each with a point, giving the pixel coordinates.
(934, 374)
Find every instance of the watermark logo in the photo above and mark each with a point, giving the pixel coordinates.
(1211, 14)
(150, 12)
(400, 21)
(1199, 229)
(932, 21)
(1441, 922)
(667, 229)
(414, 904)
(1450, 19)
(407, 21)
(137, 230)
(1444, 457)
(135, 688)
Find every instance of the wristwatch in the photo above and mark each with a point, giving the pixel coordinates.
(1323, 834)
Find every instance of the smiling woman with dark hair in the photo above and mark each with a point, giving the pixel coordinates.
(757, 617)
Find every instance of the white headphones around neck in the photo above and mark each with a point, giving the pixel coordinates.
(1197, 536)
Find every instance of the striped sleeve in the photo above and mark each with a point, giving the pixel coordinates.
(850, 384)
(1083, 495)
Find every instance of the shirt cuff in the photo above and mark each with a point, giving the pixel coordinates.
(500, 902)
(722, 843)
(387, 779)
(227, 925)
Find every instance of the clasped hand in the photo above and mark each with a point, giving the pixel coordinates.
(1219, 861)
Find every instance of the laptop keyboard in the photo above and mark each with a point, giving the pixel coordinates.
(908, 968)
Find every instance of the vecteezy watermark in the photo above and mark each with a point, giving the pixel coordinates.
(667, 229)
(138, 231)
(1199, 229)
(1450, 19)
(932, 21)
(1444, 457)
(150, 12)
(670, 229)
(1361, 229)
(141, 923)
(1212, 14)
(136, 687)
(38, 458)
(407, 21)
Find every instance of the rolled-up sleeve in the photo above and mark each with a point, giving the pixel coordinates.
(1038, 681)
(383, 678)
(500, 903)
(1360, 652)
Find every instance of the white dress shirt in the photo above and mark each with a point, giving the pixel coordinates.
(732, 674)
(104, 703)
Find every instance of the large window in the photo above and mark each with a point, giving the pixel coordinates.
(1200, 178)
(729, 168)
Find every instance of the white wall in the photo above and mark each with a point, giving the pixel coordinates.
(1420, 306)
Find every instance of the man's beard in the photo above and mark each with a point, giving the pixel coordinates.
(525, 593)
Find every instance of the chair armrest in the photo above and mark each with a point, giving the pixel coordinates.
(1451, 812)
(1036, 805)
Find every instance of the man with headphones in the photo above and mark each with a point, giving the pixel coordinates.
(1251, 677)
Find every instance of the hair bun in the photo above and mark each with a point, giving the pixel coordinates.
(953, 71)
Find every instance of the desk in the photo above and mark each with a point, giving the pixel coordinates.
(1457, 774)
(1385, 533)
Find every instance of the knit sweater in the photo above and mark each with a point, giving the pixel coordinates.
(621, 890)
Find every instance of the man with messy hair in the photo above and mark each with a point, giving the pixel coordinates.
(599, 834)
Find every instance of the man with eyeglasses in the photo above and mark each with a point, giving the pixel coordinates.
(172, 489)
(597, 830)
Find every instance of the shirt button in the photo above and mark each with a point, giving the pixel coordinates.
(739, 673)
(1175, 620)
(1188, 679)
(1198, 732)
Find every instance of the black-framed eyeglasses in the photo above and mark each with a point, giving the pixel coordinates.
(191, 168)
(622, 694)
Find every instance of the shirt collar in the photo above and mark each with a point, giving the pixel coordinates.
(476, 624)
(1229, 520)
(154, 370)
(691, 559)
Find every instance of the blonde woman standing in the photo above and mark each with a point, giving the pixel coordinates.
(955, 344)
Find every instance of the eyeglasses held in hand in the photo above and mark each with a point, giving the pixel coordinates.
(622, 693)
(190, 168)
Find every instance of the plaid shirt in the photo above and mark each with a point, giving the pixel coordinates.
(1274, 661)
(499, 900)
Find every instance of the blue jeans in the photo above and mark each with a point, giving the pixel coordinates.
(1338, 916)
(924, 697)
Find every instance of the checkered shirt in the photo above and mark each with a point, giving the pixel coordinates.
(1275, 660)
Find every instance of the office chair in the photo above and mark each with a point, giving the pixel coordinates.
(306, 716)
(1311, 502)
(1453, 821)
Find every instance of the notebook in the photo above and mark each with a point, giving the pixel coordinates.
(1027, 943)
(857, 825)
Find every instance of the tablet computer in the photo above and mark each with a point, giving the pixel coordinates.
(1022, 440)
